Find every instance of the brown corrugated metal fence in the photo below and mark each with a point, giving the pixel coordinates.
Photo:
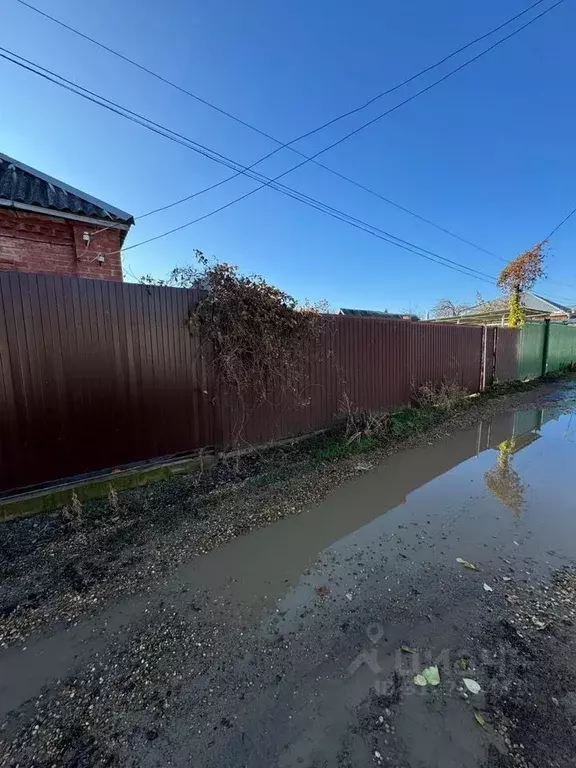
(507, 353)
(97, 374)
(373, 363)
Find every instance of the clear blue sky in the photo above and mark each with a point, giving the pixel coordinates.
(490, 154)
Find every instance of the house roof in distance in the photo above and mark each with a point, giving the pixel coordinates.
(529, 300)
(21, 184)
(376, 313)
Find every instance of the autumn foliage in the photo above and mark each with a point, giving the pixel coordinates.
(521, 275)
(260, 337)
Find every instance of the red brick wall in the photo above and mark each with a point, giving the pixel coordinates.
(31, 242)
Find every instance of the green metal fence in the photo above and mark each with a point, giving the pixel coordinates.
(546, 347)
(532, 350)
(561, 346)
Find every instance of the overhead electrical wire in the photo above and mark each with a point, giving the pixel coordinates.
(343, 115)
(129, 114)
(168, 133)
(561, 224)
(289, 145)
(195, 146)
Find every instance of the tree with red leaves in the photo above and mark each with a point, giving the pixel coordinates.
(521, 275)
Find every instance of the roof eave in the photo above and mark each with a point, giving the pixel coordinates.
(55, 213)
(125, 217)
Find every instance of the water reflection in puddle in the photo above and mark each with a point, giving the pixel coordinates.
(499, 490)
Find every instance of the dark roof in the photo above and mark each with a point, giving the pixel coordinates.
(529, 300)
(376, 313)
(21, 184)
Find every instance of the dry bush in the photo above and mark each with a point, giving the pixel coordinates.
(262, 340)
(73, 512)
(113, 501)
(444, 395)
(362, 424)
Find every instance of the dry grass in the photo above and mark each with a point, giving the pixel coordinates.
(445, 395)
(362, 424)
(73, 512)
(113, 502)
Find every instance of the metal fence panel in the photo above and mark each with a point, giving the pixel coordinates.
(561, 346)
(365, 364)
(531, 350)
(97, 374)
(507, 354)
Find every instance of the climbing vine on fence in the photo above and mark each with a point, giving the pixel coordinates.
(260, 336)
(520, 275)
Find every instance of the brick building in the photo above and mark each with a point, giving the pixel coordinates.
(49, 227)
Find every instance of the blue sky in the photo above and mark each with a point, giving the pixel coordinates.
(488, 154)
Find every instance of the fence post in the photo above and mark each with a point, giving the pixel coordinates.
(545, 347)
(483, 359)
(494, 357)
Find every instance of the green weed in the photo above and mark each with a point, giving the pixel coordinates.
(335, 448)
(269, 478)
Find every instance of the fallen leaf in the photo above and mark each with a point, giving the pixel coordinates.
(487, 588)
(480, 719)
(349, 595)
(506, 578)
(432, 675)
(463, 664)
(467, 564)
(472, 685)
(420, 680)
(405, 649)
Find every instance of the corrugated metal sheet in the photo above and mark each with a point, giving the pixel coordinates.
(21, 184)
(561, 346)
(97, 374)
(531, 350)
(371, 363)
(507, 348)
(530, 301)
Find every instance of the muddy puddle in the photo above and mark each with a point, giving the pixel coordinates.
(498, 491)
(297, 644)
(341, 588)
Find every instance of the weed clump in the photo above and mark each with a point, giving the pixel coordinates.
(364, 431)
(447, 395)
(73, 513)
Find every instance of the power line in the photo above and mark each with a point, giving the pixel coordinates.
(189, 144)
(346, 218)
(129, 114)
(250, 125)
(168, 133)
(564, 220)
(289, 144)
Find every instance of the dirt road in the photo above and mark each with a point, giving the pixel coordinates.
(297, 644)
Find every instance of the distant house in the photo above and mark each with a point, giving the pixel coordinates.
(376, 313)
(47, 226)
(496, 312)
